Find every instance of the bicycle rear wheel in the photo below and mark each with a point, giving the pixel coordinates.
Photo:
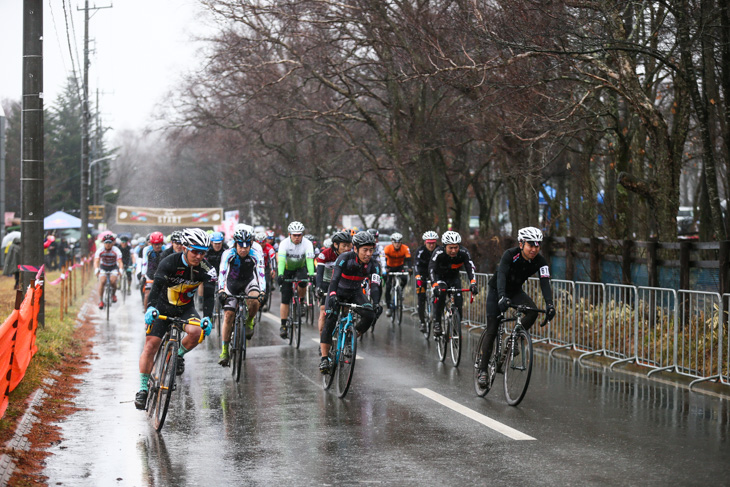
(346, 361)
(491, 367)
(167, 384)
(237, 349)
(328, 378)
(441, 340)
(429, 322)
(298, 332)
(517, 367)
(456, 338)
(153, 383)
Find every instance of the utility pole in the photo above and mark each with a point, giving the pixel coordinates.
(85, 115)
(31, 183)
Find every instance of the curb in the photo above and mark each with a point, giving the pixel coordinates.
(20, 441)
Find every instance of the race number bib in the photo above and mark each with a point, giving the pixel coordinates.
(544, 271)
(375, 279)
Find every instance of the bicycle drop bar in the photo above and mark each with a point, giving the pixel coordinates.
(456, 290)
(523, 308)
(354, 306)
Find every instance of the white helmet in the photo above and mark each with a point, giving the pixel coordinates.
(451, 237)
(196, 238)
(243, 226)
(529, 233)
(327, 243)
(396, 237)
(260, 236)
(430, 235)
(295, 227)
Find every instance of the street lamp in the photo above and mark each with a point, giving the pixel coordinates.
(107, 158)
(113, 191)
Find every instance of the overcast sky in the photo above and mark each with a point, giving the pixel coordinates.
(140, 49)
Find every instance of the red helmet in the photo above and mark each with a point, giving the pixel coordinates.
(156, 238)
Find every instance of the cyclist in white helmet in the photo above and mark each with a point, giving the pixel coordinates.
(505, 287)
(296, 261)
(423, 257)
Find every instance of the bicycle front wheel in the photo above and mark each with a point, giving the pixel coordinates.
(456, 338)
(517, 367)
(398, 311)
(238, 349)
(153, 383)
(346, 365)
(441, 340)
(167, 384)
(108, 298)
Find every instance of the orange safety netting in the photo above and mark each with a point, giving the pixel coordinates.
(17, 343)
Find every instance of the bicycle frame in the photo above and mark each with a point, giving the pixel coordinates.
(294, 323)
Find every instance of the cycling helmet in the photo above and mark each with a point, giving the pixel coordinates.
(363, 238)
(341, 237)
(451, 237)
(243, 226)
(374, 232)
(124, 238)
(109, 237)
(270, 234)
(176, 237)
(396, 237)
(430, 235)
(243, 237)
(260, 237)
(296, 227)
(216, 237)
(529, 233)
(327, 242)
(156, 238)
(310, 237)
(195, 238)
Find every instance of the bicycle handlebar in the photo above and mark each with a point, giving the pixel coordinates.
(356, 306)
(398, 274)
(523, 308)
(180, 321)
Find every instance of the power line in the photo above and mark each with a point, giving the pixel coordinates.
(70, 51)
(55, 29)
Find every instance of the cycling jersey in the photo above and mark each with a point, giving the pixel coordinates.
(379, 256)
(423, 257)
(325, 267)
(238, 273)
(444, 268)
(269, 255)
(514, 270)
(108, 258)
(350, 274)
(168, 251)
(396, 258)
(292, 257)
(126, 255)
(150, 260)
(176, 282)
(214, 257)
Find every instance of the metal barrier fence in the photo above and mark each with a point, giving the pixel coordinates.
(684, 331)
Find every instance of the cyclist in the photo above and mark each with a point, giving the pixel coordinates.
(127, 261)
(352, 273)
(445, 266)
(423, 257)
(505, 288)
(215, 254)
(269, 255)
(296, 261)
(175, 284)
(242, 272)
(108, 265)
(341, 243)
(176, 244)
(378, 254)
(151, 257)
(397, 257)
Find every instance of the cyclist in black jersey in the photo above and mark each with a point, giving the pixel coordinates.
(423, 257)
(445, 266)
(215, 252)
(505, 288)
(352, 271)
(126, 250)
(176, 245)
(173, 290)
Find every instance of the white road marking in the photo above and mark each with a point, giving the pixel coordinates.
(359, 355)
(478, 417)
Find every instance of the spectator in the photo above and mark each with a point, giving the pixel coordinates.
(12, 260)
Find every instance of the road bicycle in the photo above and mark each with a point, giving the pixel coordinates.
(343, 351)
(310, 302)
(162, 379)
(217, 317)
(396, 304)
(237, 345)
(107, 292)
(294, 320)
(511, 356)
(451, 326)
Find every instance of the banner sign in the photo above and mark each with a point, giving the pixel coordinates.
(232, 215)
(180, 217)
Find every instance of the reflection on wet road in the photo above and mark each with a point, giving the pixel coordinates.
(407, 420)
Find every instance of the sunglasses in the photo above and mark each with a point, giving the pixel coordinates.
(198, 251)
(533, 243)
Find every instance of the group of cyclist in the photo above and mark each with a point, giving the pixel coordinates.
(350, 268)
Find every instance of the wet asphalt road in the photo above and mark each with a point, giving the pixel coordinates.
(277, 426)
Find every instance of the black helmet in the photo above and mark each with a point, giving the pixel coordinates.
(374, 232)
(341, 237)
(363, 238)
